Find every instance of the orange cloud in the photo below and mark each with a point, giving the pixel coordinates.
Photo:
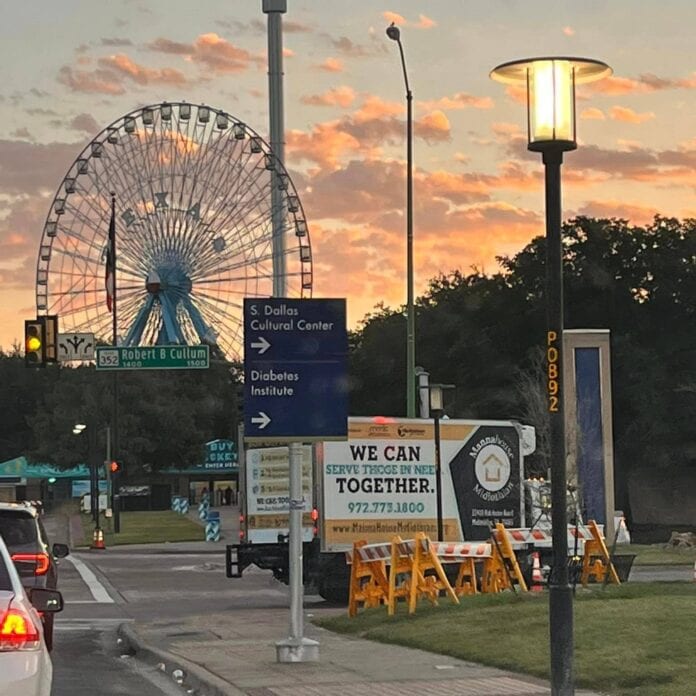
(460, 100)
(220, 55)
(425, 22)
(375, 107)
(211, 52)
(634, 212)
(124, 66)
(621, 113)
(592, 113)
(325, 145)
(433, 127)
(339, 96)
(90, 82)
(331, 65)
(396, 18)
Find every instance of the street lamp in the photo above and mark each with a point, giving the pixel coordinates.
(394, 33)
(93, 466)
(437, 408)
(550, 85)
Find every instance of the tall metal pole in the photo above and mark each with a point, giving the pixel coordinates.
(438, 475)
(296, 648)
(296, 508)
(275, 9)
(394, 33)
(114, 339)
(560, 594)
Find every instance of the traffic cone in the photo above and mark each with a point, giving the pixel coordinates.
(537, 579)
(98, 540)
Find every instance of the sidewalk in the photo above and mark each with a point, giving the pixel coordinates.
(233, 654)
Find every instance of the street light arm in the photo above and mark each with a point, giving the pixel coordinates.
(403, 66)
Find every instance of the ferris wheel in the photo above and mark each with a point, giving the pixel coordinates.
(205, 215)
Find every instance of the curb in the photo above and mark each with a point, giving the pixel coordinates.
(197, 680)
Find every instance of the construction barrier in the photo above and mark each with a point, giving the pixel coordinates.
(203, 508)
(596, 561)
(212, 526)
(369, 586)
(501, 571)
(465, 554)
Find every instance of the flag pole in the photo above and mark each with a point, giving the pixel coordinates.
(115, 497)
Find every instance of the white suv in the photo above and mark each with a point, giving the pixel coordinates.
(25, 663)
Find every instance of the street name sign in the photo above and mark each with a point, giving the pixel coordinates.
(295, 370)
(75, 346)
(152, 357)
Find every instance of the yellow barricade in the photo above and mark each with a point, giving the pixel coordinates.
(400, 568)
(596, 562)
(464, 554)
(502, 568)
(369, 585)
(428, 577)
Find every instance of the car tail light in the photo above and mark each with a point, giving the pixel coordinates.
(18, 631)
(31, 563)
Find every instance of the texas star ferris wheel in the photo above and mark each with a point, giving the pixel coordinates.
(194, 209)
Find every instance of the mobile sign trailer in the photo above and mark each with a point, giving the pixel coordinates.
(381, 483)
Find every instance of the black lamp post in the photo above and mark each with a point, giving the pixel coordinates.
(394, 34)
(550, 85)
(437, 408)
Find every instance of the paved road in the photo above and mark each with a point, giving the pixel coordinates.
(104, 589)
(87, 661)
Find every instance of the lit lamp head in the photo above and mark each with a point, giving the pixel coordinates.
(550, 85)
(437, 396)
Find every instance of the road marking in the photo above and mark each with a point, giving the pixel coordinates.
(101, 596)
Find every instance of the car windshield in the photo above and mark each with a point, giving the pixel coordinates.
(17, 528)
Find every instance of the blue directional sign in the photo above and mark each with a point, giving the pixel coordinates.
(295, 370)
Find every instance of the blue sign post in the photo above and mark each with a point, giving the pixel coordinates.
(295, 370)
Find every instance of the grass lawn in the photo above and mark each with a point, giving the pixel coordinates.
(149, 527)
(634, 639)
(657, 554)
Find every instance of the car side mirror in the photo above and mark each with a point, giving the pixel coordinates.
(60, 550)
(46, 600)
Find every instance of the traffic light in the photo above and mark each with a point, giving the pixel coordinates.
(114, 467)
(34, 342)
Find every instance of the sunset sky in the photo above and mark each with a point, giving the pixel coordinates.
(72, 67)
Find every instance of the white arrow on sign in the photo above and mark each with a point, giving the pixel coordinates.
(262, 344)
(75, 346)
(262, 419)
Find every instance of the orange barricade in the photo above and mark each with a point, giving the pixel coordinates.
(369, 586)
(465, 554)
(400, 567)
(428, 577)
(596, 562)
(501, 570)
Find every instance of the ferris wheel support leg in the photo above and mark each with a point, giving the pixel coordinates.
(135, 333)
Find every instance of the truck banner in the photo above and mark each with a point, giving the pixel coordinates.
(382, 481)
(268, 494)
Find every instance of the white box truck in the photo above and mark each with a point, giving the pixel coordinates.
(380, 482)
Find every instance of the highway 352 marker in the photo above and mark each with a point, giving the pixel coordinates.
(295, 370)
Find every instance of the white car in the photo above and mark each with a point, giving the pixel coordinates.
(25, 663)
